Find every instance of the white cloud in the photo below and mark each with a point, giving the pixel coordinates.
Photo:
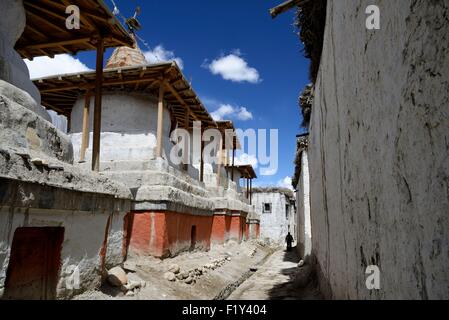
(234, 68)
(227, 111)
(245, 159)
(61, 64)
(244, 114)
(160, 54)
(285, 183)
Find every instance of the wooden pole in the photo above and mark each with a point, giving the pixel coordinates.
(233, 162)
(69, 123)
(202, 159)
(251, 191)
(97, 110)
(186, 154)
(220, 162)
(247, 188)
(160, 120)
(85, 136)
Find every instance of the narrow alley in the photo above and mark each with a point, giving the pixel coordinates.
(159, 152)
(282, 277)
(252, 271)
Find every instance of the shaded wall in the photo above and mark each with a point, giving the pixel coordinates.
(92, 231)
(304, 228)
(379, 152)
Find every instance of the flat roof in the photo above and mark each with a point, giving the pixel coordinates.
(59, 93)
(46, 33)
(246, 171)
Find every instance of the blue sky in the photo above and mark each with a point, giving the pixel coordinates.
(199, 32)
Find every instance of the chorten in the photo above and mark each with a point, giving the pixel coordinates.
(126, 57)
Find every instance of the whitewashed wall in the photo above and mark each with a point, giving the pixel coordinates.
(304, 228)
(129, 127)
(379, 155)
(274, 225)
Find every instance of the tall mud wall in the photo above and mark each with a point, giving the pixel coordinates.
(379, 151)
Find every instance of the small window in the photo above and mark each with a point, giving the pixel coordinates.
(287, 211)
(267, 208)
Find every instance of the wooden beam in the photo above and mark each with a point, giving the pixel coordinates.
(186, 154)
(181, 100)
(251, 191)
(92, 85)
(202, 158)
(151, 85)
(286, 6)
(142, 72)
(41, 8)
(46, 21)
(57, 43)
(85, 135)
(160, 121)
(69, 122)
(45, 53)
(97, 110)
(247, 188)
(52, 107)
(233, 164)
(60, 95)
(32, 28)
(220, 162)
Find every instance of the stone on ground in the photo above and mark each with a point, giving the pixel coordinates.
(170, 276)
(174, 268)
(117, 277)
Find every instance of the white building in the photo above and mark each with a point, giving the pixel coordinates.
(277, 213)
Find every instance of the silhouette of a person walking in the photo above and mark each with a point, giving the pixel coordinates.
(289, 239)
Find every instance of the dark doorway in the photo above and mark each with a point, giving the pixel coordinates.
(193, 238)
(34, 264)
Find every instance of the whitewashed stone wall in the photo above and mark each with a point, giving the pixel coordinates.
(274, 226)
(379, 151)
(12, 68)
(304, 228)
(128, 125)
(84, 234)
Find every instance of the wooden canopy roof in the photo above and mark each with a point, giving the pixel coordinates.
(59, 93)
(224, 125)
(46, 33)
(246, 171)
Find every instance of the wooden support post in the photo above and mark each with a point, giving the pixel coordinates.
(186, 154)
(85, 136)
(160, 120)
(69, 122)
(97, 106)
(233, 162)
(247, 188)
(251, 191)
(220, 162)
(202, 159)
